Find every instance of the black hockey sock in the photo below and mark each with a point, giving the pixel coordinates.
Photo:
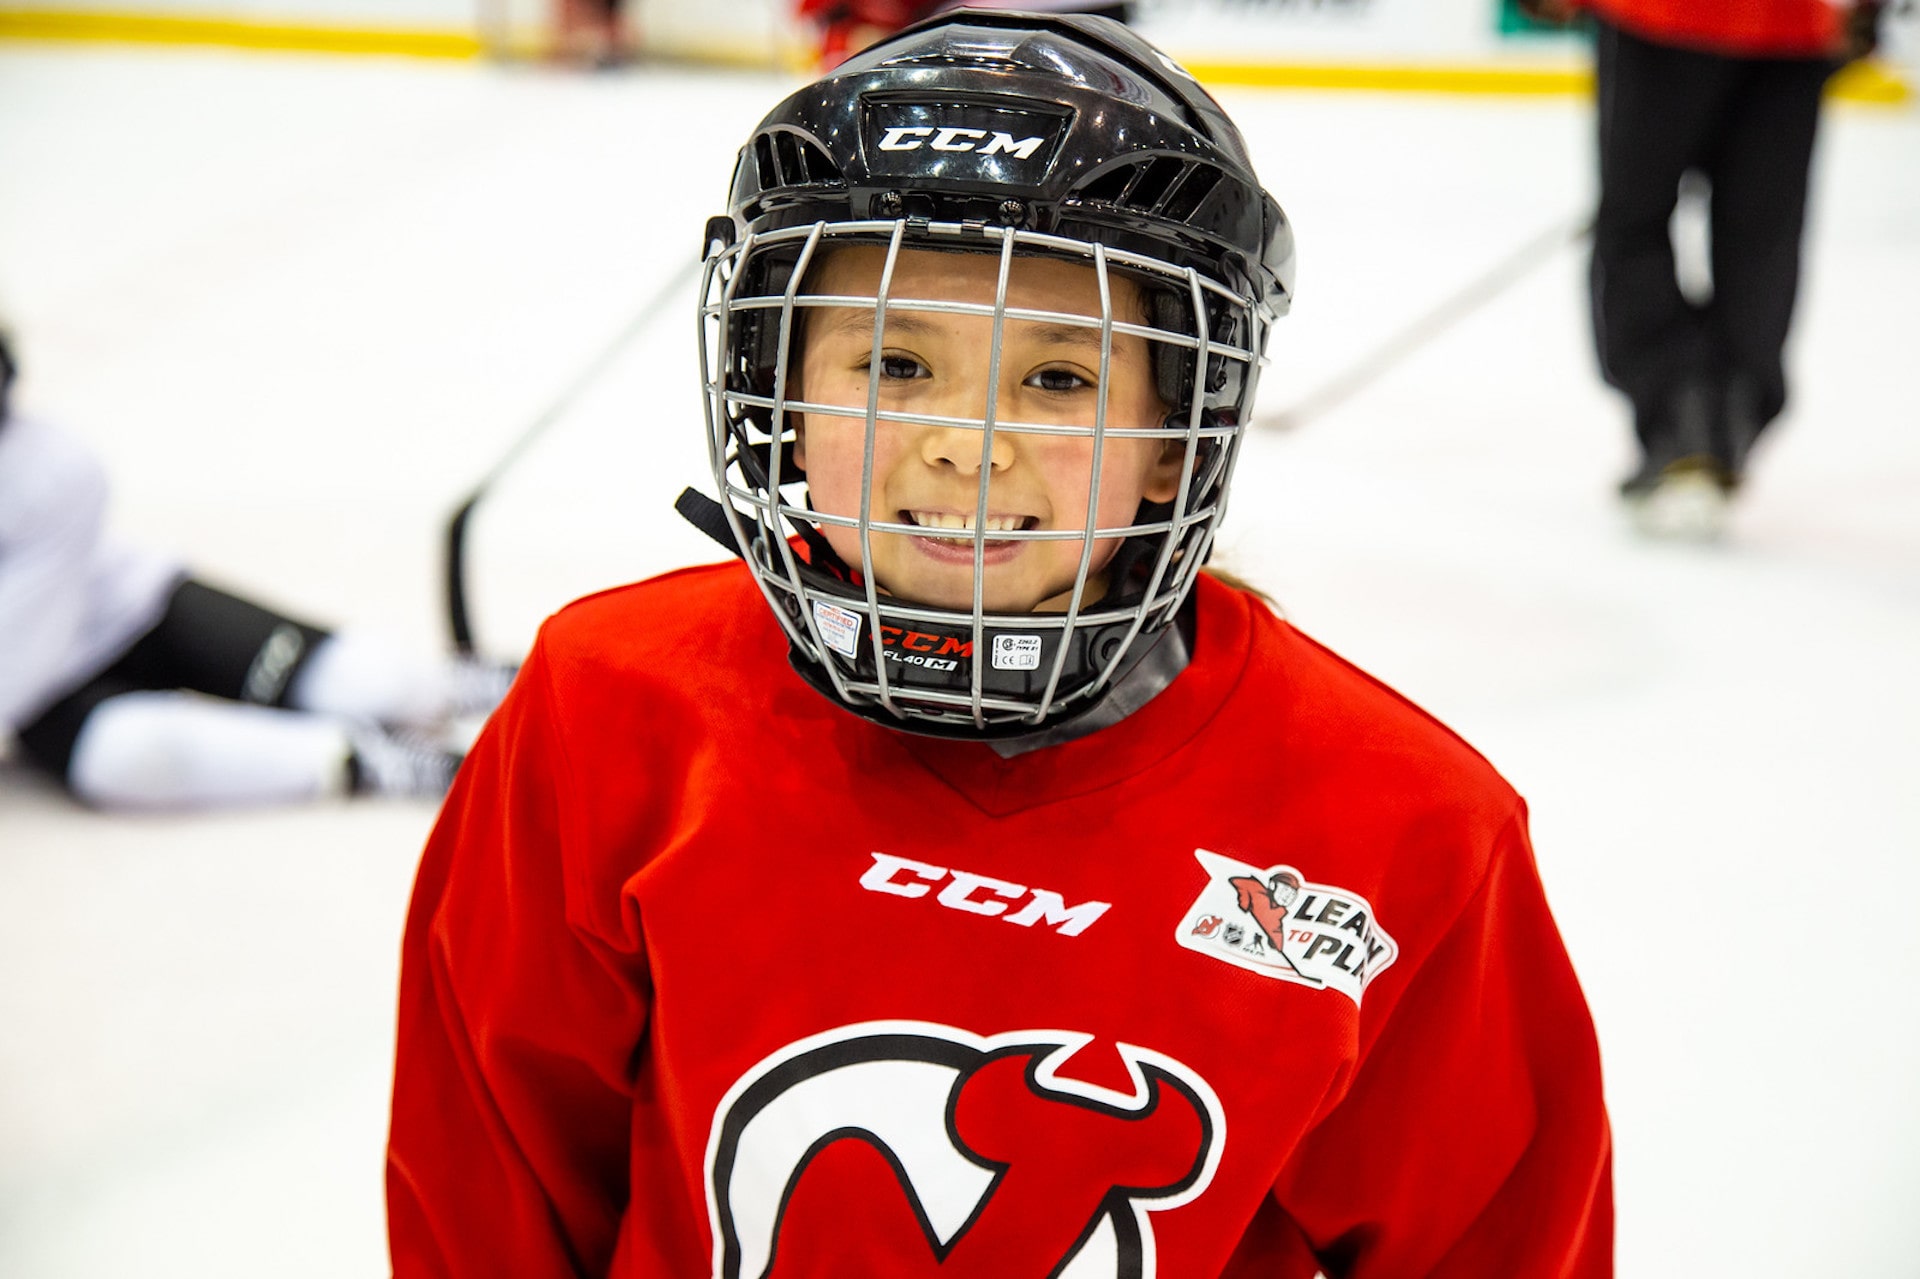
(214, 642)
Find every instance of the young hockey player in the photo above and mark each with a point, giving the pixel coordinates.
(1008, 897)
(139, 687)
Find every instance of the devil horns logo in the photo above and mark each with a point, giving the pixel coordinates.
(914, 1149)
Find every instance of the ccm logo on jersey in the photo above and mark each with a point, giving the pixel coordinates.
(954, 137)
(916, 1150)
(1277, 923)
(963, 890)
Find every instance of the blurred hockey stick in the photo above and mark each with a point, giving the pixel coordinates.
(459, 620)
(1424, 328)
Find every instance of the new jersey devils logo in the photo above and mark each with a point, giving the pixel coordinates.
(914, 1149)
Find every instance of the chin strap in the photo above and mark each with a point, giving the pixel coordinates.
(705, 514)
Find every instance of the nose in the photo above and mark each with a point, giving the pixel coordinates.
(964, 448)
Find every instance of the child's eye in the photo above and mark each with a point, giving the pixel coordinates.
(1058, 380)
(902, 368)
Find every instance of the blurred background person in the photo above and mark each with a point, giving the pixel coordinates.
(589, 33)
(1724, 97)
(844, 27)
(138, 687)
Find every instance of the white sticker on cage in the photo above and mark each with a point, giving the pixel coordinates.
(1016, 652)
(839, 628)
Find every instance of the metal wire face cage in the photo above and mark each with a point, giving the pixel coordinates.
(864, 639)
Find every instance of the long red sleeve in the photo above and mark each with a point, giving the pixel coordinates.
(518, 1028)
(1475, 1111)
(1741, 28)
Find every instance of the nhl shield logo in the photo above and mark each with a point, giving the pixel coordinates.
(1276, 922)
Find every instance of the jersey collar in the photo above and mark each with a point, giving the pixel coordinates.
(1173, 714)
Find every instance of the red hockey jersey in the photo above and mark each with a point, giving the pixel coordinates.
(1742, 28)
(704, 975)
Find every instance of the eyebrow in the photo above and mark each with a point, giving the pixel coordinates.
(920, 323)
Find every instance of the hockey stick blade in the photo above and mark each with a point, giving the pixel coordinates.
(459, 624)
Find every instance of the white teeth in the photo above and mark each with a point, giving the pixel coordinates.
(964, 523)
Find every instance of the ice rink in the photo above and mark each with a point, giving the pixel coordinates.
(300, 305)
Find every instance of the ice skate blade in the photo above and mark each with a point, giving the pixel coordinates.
(1681, 508)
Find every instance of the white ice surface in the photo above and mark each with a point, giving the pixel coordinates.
(300, 305)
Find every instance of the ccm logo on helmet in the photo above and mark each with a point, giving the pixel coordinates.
(953, 137)
(963, 890)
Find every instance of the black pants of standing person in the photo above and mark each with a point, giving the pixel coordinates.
(1704, 379)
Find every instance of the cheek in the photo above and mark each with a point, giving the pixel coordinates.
(826, 463)
(1131, 469)
(1124, 475)
(835, 453)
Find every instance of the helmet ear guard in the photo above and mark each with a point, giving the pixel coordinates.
(1172, 311)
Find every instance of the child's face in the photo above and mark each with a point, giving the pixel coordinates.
(938, 364)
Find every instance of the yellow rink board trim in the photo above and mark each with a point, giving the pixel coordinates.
(154, 28)
(1861, 82)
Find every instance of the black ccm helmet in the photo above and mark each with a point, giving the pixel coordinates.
(1016, 135)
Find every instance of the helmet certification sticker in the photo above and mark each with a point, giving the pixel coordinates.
(1016, 652)
(839, 628)
(1276, 922)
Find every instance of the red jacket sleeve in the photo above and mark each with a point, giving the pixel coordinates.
(1733, 28)
(518, 1026)
(1473, 1141)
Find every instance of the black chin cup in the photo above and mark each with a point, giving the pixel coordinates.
(935, 657)
(1018, 654)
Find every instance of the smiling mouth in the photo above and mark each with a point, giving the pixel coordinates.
(964, 524)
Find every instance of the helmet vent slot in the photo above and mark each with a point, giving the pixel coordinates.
(820, 166)
(1156, 178)
(786, 150)
(769, 173)
(1193, 187)
(1164, 186)
(786, 159)
(1109, 186)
